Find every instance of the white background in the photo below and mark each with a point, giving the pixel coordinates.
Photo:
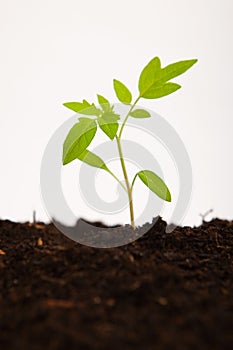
(58, 51)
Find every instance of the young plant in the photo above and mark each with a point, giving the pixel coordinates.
(154, 82)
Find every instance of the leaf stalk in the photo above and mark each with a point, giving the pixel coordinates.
(127, 116)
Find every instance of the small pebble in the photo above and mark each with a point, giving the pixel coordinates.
(131, 258)
(111, 302)
(97, 300)
(162, 301)
(40, 242)
(39, 227)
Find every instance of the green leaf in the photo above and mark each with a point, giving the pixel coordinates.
(155, 184)
(140, 113)
(149, 75)
(92, 159)
(83, 108)
(109, 129)
(104, 103)
(110, 116)
(161, 91)
(78, 139)
(108, 123)
(102, 99)
(175, 69)
(153, 81)
(122, 92)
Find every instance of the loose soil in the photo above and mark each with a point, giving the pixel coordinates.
(163, 291)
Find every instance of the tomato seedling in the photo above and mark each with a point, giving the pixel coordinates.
(154, 82)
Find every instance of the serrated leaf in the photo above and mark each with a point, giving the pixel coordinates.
(78, 139)
(104, 103)
(140, 113)
(108, 127)
(149, 75)
(122, 92)
(92, 159)
(83, 108)
(155, 184)
(161, 91)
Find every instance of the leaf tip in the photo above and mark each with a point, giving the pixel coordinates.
(64, 161)
(115, 82)
(193, 61)
(168, 196)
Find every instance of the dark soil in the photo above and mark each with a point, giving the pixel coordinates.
(163, 291)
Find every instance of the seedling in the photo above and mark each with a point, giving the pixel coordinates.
(154, 82)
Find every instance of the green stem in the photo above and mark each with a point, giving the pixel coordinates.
(116, 178)
(129, 189)
(127, 182)
(133, 182)
(127, 116)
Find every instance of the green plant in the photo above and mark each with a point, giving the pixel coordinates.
(154, 82)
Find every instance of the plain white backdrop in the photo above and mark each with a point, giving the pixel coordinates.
(58, 51)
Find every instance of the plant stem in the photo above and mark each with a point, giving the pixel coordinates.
(129, 188)
(133, 182)
(116, 178)
(127, 182)
(127, 116)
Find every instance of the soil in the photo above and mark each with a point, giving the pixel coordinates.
(163, 291)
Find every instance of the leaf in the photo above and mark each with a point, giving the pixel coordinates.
(78, 139)
(161, 91)
(155, 184)
(110, 116)
(83, 108)
(104, 103)
(122, 92)
(108, 127)
(175, 69)
(108, 123)
(148, 75)
(153, 81)
(102, 99)
(140, 113)
(92, 159)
